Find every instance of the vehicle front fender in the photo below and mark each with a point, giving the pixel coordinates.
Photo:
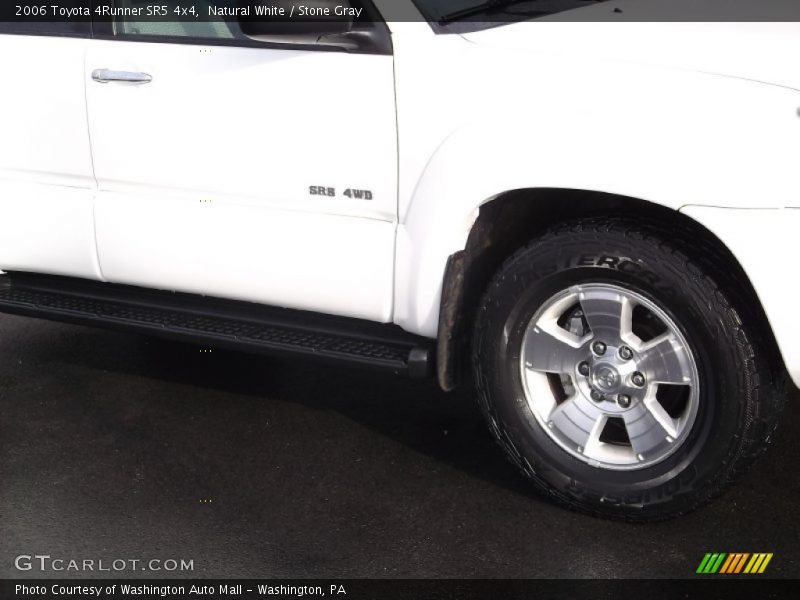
(674, 140)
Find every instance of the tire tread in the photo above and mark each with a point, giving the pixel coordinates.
(765, 384)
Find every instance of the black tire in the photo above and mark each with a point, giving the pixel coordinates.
(741, 392)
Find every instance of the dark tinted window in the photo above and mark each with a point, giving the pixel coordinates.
(206, 27)
(56, 28)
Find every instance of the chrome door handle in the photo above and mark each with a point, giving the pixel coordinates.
(106, 75)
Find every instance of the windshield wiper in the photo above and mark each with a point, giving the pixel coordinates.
(483, 7)
(489, 6)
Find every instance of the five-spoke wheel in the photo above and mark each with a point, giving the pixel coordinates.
(609, 376)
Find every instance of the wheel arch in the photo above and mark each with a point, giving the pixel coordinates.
(509, 220)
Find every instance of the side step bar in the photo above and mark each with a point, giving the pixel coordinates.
(213, 321)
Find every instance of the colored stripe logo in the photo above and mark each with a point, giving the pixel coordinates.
(734, 563)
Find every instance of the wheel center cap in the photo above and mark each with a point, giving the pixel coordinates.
(606, 378)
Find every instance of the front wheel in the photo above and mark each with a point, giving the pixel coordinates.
(617, 375)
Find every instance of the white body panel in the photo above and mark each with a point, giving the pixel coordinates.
(46, 179)
(668, 136)
(256, 253)
(204, 174)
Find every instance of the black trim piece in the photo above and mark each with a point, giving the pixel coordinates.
(214, 321)
(224, 42)
(20, 33)
(452, 328)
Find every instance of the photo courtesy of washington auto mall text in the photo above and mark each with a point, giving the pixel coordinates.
(177, 590)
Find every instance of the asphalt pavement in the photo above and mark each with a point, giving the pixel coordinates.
(117, 446)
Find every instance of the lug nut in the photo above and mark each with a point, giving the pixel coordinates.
(638, 379)
(599, 348)
(583, 368)
(625, 353)
(596, 396)
(624, 401)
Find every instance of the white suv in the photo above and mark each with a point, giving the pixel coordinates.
(591, 220)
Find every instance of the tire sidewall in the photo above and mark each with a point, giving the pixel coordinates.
(543, 270)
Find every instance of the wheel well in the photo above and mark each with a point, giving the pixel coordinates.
(512, 219)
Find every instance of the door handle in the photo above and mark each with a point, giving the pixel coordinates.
(106, 75)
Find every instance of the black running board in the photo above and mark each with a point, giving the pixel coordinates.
(213, 321)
